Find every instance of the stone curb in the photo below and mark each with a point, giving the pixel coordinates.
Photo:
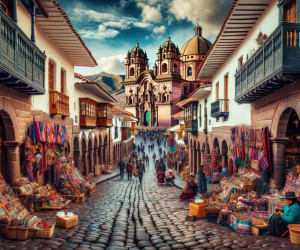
(108, 179)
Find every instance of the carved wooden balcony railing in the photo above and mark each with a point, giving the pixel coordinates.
(22, 63)
(59, 104)
(275, 64)
(220, 108)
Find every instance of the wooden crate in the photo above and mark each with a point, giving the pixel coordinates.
(198, 210)
(76, 198)
(16, 233)
(67, 222)
(46, 233)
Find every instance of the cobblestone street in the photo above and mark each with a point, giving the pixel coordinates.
(126, 215)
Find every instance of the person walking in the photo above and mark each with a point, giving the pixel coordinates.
(202, 182)
(160, 151)
(161, 171)
(147, 160)
(140, 167)
(139, 149)
(154, 157)
(149, 146)
(129, 169)
(121, 166)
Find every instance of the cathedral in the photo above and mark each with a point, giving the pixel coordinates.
(151, 95)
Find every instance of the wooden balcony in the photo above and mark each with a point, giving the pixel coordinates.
(22, 63)
(275, 64)
(59, 104)
(104, 115)
(87, 113)
(191, 126)
(220, 108)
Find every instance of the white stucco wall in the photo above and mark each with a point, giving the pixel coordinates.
(45, 44)
(117, 121)
(238, 114)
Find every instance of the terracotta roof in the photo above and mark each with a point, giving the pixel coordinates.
(232, 33)
(86, 81)
(120, 111)
(57, 17)
(186, 101)
(129, 118)
(178, 115)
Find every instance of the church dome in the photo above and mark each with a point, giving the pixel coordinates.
(196, 45)
(137, 51)
(170, 46)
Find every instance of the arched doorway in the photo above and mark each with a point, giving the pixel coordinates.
(95, 151)
(90, 157)
(216, 144)
(76, 152)
(100, 150)
(83, 158)
(224, 154)
(147, 118)
(9, 165)
(105, 150)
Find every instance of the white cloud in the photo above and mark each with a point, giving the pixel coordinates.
(112, 65)
(161, 29)
(150, 13)
(100, 34)
(211, 15)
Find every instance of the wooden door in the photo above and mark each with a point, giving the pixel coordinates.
(226, 93)
(217, 91)
(51, 77)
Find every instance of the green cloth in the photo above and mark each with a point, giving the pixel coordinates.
(291, 214)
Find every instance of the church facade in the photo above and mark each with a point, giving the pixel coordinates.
(152, 95)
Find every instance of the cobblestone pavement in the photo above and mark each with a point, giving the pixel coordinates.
(126, 215)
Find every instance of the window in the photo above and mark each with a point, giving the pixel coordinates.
(102, 111)
(164, 68)
(190, 71)
(164, 56)
(291, 12)
(82, 108)
(5, 6)
(131, 72)
(175, 67)
(217, 91)
(62, 81)
(200, 115)
(185, 90)
(240, 62)
(194, 112)
(147, 98)
(226, 92)
(51, 76)
(132, 60)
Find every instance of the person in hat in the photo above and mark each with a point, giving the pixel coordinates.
(129, 169)
(121, 166)
(140, 167)
(202, 186)
(290, 214)
(189, 190)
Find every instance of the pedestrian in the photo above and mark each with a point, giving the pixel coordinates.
(160, 151)
(121, 166)
(154, 157)
(141, 143)
(290, 214)
(189, 190)
(149, 146)
(147, 160)
(202, 182)
(133, 146)
(129, 169)
(161, 171)
(144, 158)
(140, 169)
(138, 149)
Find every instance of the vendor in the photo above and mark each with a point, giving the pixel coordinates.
(290, 214)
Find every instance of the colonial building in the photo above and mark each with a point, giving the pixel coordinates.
(151, 95)
(254, 69)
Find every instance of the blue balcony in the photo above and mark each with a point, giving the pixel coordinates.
(275, 64)
(22, 63)
(220, 108)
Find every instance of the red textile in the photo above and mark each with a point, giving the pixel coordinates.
(186, 197)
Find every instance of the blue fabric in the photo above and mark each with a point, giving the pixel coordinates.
(291, 214)
(202, 185)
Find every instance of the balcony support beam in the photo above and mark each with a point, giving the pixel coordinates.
(33, 22)
(15, 12)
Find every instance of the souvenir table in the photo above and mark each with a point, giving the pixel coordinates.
(36, 197)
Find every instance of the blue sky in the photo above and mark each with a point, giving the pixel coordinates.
(112, 27)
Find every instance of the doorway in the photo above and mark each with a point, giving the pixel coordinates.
(147, 118)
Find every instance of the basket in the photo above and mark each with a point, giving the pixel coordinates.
(212, 214)
(67, 222)
(46, 233)
(294, 233)
(17, 233)
(198, 210)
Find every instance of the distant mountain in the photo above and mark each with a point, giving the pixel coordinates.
(111, 83)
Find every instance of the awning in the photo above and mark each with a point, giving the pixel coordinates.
(58, 27)
(201, 92)
(174, 128)
(241, 18)
(178, 115)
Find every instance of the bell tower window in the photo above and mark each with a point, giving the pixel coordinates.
(164, 68)
(131, 72)
(190, 71)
